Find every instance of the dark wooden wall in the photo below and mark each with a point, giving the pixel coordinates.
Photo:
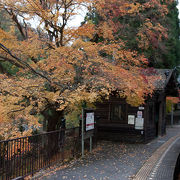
(107, 129)
(153, 114)
(150, 126)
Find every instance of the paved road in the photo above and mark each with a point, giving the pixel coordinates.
(114, 161)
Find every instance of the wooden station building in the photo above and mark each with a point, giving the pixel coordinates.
(120, 121)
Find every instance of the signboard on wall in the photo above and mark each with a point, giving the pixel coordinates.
(141, 108)
(131, 119)
(139, 124)
(139, 114)
(89, 121)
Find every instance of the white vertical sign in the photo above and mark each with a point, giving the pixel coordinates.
(139, 114)
(89, 121)
(131, 119)
(139, 123)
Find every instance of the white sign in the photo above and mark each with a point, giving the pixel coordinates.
(141, 108)
(131, 119)
(139, 123)
(139, 114)
(89, 121)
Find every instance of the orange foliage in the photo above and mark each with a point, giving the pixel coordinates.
(151, 32)
(66, 68)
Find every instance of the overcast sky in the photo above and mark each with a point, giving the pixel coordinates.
(178, 6)
(76, 21)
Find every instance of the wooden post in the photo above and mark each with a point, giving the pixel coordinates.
(172, 118)
(165, 114)
(160, 119)
(91, 144)
(146, 118)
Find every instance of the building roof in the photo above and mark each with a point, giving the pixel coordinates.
(167, 82)
(165, 76)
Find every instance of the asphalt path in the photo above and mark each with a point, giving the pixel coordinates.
(109, 161)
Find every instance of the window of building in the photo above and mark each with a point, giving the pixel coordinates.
(118, 113)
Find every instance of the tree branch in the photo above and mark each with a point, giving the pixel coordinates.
(15, 19)
(24, 64)
(11, 61)
(17, 110)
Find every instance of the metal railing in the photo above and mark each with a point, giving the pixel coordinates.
(24, 156)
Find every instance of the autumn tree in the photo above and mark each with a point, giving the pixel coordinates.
(172, 55)
(149, 27)
(60, 66)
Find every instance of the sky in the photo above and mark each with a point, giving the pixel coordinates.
(178, 6)
(75, 21)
